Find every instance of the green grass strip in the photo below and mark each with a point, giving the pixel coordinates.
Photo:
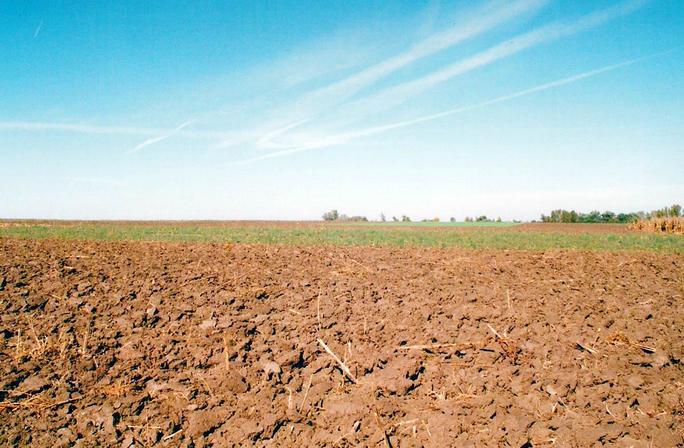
(356, 236)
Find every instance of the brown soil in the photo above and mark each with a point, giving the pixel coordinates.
(132, 344)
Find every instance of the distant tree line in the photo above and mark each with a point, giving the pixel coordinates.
(404, 218)
(596, 216)
(482, 218)
(333, 215)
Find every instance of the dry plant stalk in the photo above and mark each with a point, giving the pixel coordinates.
(118, 388)
(362, 265)
(620, 339)
(496, 333)
(64, 340)
(509, 347)
(672, 224)
(226, 354)
(83, 349)
(289, 398)
(173, 435)
(306, 394)
(344, 368)
(586, 347)
(436, 346)
(34, 403)
(318, 312)
(31, 346)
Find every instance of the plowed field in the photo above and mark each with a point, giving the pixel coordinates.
(197, 344)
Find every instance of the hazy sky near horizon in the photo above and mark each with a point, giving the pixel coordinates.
(285, 109)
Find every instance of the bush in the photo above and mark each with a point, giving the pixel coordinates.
(332, 215)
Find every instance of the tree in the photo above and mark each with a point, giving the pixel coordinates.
(382, 217)
(593, 216)
(452, 219)
(607, 216)
(556, 215)
(405, 218)
(332, 215)
(482, 218)
(395, 219)
(676, 210)
(628, 217)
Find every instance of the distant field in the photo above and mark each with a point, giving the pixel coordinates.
(506, 236)
(434, 224)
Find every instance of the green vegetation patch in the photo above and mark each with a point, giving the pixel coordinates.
(399, 236)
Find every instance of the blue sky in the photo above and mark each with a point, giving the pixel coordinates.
(286, 109)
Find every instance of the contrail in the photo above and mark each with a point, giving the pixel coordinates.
(79, 128)
(399, 93)
(265, 140)
(431, 45)
(483, 20)
(344, 138)
(539, 88)
(37, 126)
(37, 31)
(153, 140)
(91, 180)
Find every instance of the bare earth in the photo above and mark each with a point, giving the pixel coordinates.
(132, 344)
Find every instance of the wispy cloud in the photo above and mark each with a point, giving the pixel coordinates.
(160, 138)
(338, 139)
